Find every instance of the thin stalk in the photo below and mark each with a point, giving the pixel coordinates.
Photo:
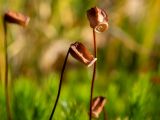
(105, 114)
(60, 85)
(94, 74)
(8, 110)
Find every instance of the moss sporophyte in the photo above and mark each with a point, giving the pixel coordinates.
(78, 51)
(98, 20)
(19, 19)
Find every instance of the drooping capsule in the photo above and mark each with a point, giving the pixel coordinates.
(16, 18)
(81, 53)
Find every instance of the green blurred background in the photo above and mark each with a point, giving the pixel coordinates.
(128, 73)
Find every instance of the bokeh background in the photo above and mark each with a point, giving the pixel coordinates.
(128, 72)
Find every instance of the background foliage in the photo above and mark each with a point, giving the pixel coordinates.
(128, 72)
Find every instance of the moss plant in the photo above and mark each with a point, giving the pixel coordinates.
(15, 18)
(80, 53)
(99, 23)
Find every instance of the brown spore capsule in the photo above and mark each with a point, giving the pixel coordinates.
(16, 18)
(81, 53)
(97, 106)
(98, 19)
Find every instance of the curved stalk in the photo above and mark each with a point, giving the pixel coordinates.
(60, 85)
(94, 74)
(8, 110)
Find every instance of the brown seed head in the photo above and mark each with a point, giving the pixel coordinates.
(97, 106)
(16, 18)
(80, 53)
(98, 19)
